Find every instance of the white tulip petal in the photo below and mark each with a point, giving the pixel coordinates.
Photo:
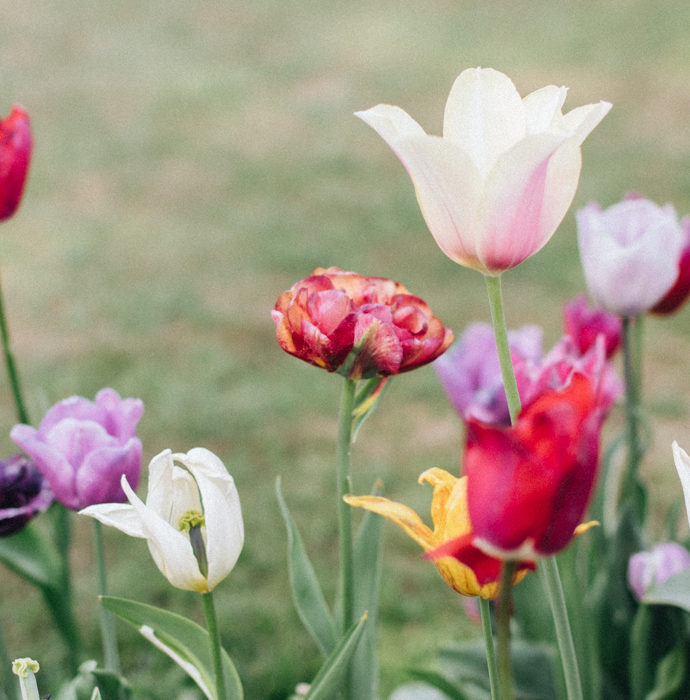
(484, 115)
(526, 196)
(448, 189)
(682, 462)
(543, 109)
(119, 515)
(390, 122)
(581, 121)
(159, 495)
(222, 511)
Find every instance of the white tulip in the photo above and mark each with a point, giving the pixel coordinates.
(184, 489)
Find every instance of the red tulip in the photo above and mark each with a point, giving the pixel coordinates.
(529, 485)
(358, 326)
(15, 153)
(583, 324)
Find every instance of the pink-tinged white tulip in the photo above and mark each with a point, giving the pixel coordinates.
(195, 484)
(496, 185)
(630, 253)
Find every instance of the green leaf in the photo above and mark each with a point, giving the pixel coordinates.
(330, 675)
(367, 565)
(366, 401)
(673, 591)
(670, 674)
(183, 640)
(306, 592)
(440, 682)
(29, 554)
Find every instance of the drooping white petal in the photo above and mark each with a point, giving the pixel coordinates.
(390, 122)
(581, 121)
(543, 108)
(222, 512)
(484, 115)
(120, 515)
(682, 462)
(526, 196)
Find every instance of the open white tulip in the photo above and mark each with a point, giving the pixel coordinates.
(192, 520)
(496, 186)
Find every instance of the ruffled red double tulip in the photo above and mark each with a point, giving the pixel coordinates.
(528, 485)
(357, 326)
(15, 153)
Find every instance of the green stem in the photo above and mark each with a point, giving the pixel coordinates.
(552, 582)
(503, 614)
(214, 640)
(108, 636)
(344, 486)
(485, 612)
(633, 371)
(60, 601)
(493, 287)
(12, 372)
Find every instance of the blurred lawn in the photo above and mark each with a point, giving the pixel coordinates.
(194, 159)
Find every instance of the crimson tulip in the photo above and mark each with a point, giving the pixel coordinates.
(357, 326)
(15, 154)
(584, 324)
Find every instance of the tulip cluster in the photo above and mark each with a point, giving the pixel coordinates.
(357, 326)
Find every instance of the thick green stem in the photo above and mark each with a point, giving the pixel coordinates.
(344, 486)
(503, 614)
(493, 287)
(632, 328)
(214, 640)
(485, 612)
(60, 601)
(108, 636)
(552, 582)
(12, 372)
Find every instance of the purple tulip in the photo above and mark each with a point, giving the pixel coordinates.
(84, 447)
(646, 569)
(23, 493)
(470, 372)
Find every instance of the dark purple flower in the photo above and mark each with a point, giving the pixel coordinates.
(84, 447)
(23, 493)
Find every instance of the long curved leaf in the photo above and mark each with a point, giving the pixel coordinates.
(184, 638)
(306, 591)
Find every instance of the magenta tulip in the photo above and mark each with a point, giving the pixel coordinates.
(15, 154)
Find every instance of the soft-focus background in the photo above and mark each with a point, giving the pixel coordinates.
(193, 160)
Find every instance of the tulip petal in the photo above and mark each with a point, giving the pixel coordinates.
(582, 120)
(170, 549)
(390, 122)
(120, 515)
(526, 197)
(398, 513)
(682, 462)
(484, 115)
(543, 108)
(222, 512)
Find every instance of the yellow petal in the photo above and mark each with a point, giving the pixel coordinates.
(398, 513)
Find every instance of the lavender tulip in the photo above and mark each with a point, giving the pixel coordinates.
(83, 448)
(655, 566)
(23, 493)
(630, 253)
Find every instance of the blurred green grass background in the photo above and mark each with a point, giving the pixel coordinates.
(194, 159)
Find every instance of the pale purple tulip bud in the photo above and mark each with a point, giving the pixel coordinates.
(649, 568)
(84, 447)
(630, 253)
